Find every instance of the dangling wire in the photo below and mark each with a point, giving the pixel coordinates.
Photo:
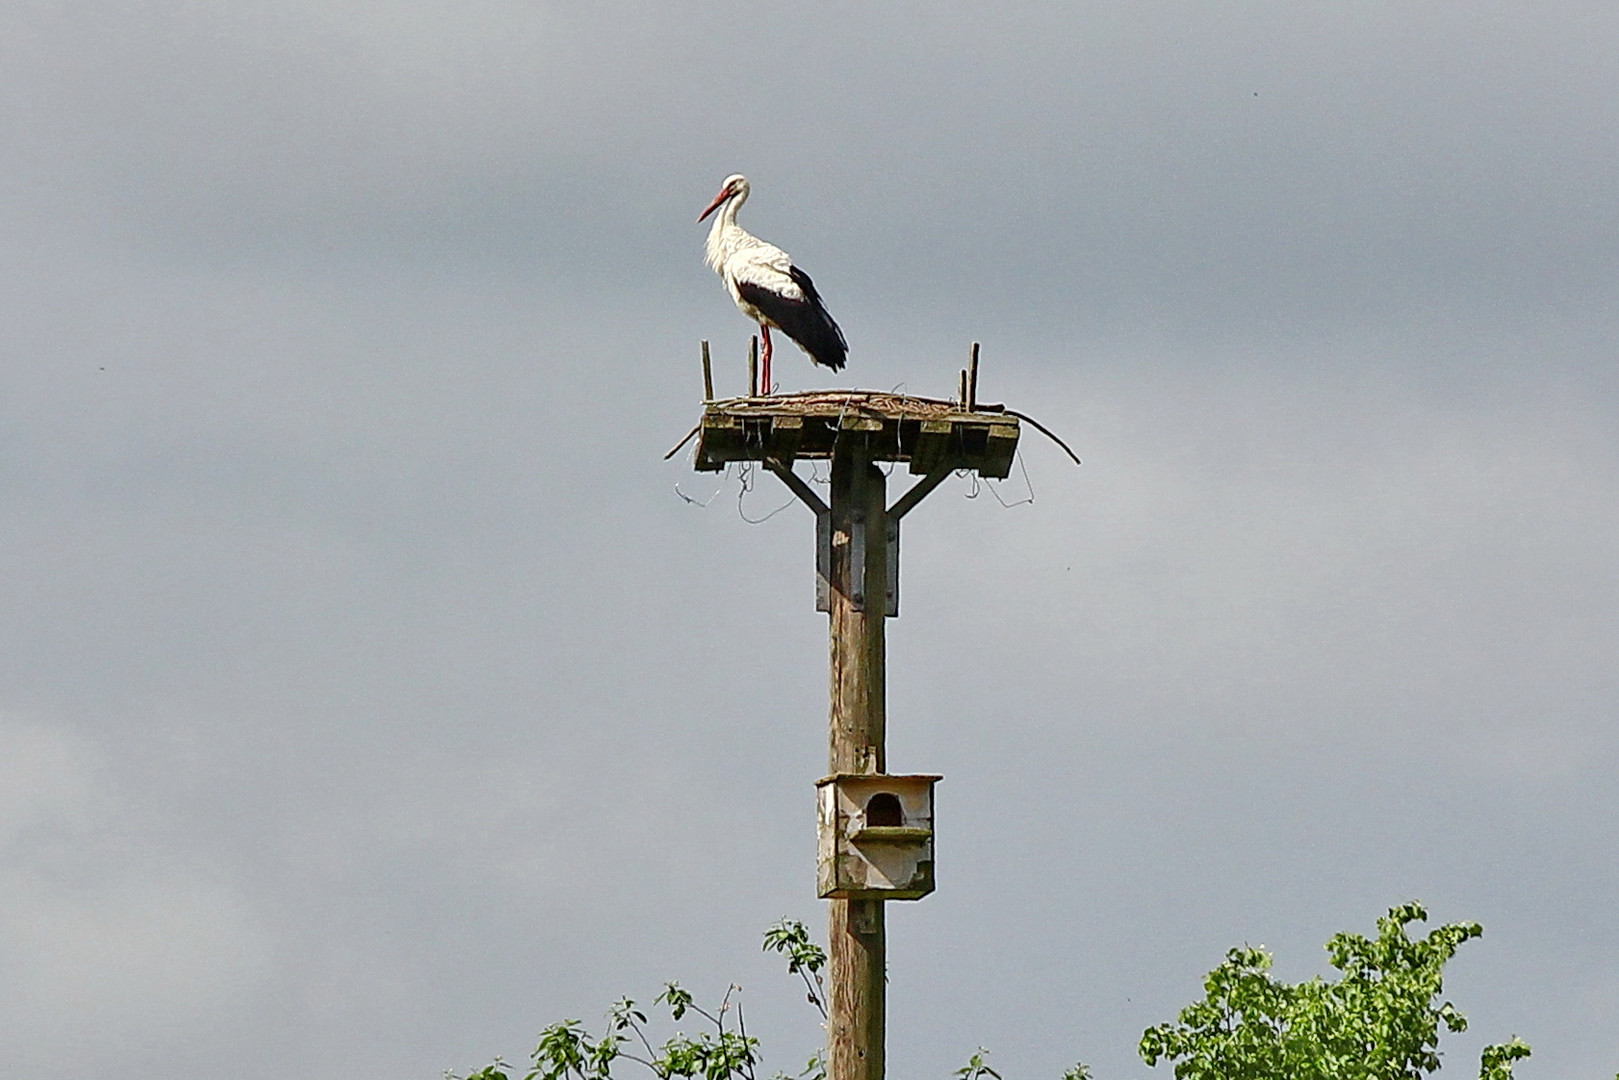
(1027, 486)
(746, 478)
(746, 487)
(843, 410)
(702, 504)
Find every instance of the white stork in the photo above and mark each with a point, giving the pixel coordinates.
(766, 285)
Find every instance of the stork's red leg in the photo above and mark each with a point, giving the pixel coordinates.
(764, 362)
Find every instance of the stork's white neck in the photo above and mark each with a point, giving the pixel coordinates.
(725, 235)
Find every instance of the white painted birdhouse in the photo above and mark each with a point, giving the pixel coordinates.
(876, 837)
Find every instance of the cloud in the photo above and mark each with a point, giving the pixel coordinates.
(1075, 168)
(96, 935)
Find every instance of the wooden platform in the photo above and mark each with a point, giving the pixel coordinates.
(929, 434)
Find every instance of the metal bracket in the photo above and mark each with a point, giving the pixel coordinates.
(891, 599)
(823, 560)
(866, 916)
(857, 541)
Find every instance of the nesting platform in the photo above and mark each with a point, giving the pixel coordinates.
(929, 434)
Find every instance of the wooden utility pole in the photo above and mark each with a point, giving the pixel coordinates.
(876, 830)
(857, 945)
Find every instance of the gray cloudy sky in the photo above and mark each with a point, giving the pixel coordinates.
(368, 698)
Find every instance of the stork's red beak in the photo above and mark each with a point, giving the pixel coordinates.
(725, 193)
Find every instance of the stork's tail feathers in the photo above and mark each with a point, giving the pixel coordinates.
(823, 341)
(821, 337)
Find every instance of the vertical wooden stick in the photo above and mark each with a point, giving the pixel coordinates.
(972, 380)
(708, 375)
(961, 388)
(857, 940)
(753, 366)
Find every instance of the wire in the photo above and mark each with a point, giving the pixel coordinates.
(1030, 487)
(702, 504)
(747, 486)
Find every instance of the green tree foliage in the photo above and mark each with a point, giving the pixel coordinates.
(723, 1050)
(1378, 1022)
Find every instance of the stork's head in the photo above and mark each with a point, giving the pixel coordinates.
(735, 187)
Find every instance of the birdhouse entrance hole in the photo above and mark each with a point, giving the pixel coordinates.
(884, 809)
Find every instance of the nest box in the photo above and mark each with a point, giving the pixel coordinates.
(876, 834)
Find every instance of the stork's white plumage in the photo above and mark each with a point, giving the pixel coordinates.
(766, 285)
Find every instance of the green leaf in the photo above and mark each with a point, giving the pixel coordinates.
(676, 998)
(975, 1067)
(791, 937)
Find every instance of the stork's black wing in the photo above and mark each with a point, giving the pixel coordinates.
(805, 319)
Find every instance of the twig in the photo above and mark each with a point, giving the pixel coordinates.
(814, 989)
(651, 1053)
(684, 441)
(1047, 432)
(742, 1029)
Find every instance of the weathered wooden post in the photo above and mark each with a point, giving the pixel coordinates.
(875, 829)
(857, 948)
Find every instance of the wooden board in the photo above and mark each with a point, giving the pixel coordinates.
(927, 434)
